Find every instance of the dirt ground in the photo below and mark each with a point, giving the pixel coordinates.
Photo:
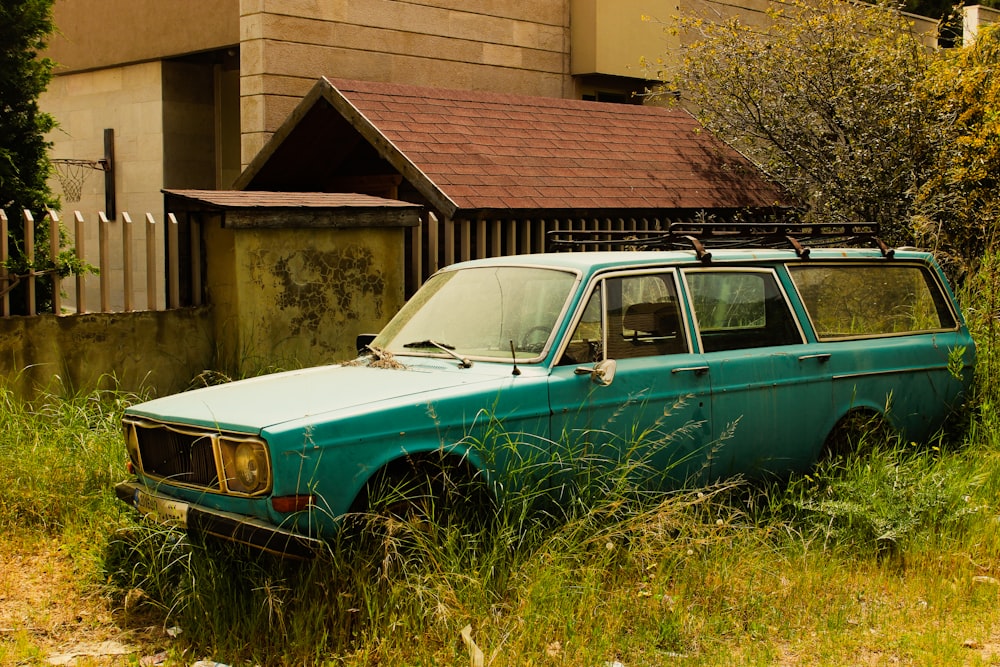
(47, 618)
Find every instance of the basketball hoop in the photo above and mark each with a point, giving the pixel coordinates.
(72, 173)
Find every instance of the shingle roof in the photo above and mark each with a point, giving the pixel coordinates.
(470, 151)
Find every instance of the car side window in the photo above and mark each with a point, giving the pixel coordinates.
(883, 299)
(641, 318)
(644, 317)
(740, 309)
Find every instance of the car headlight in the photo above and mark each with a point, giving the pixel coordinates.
(246, 466)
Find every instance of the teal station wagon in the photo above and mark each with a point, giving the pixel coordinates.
(709, 363)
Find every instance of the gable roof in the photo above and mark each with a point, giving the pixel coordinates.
(470, 152)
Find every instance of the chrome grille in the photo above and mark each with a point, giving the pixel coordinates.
(180, 457)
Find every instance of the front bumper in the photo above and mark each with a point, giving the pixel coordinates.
(225, 525)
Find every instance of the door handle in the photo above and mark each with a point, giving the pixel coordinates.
(697, 370)
(821, 358)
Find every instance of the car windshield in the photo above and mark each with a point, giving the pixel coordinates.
(478, 312)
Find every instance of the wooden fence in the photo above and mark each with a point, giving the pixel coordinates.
(118, 289)
(438, 243)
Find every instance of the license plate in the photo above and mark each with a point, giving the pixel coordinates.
(162, 510)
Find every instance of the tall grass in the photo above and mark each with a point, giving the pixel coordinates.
(59, 457)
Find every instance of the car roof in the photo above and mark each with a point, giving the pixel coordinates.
(587, 262)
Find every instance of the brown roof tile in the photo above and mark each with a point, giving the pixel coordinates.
(468, 151)
(570, 153)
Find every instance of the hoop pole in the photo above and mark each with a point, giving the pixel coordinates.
(109, 173)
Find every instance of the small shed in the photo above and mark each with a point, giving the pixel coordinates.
(292, 277)
(496, 172)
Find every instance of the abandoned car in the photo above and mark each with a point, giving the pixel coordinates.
(704, 364)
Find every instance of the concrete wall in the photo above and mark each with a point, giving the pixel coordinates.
(611, 38)
(189, 159)
(129, 100)
(515, 47)
(106, 33)
(152, 351)
(975, 17)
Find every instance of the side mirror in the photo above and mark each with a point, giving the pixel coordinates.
(602, 373)
(363, 341)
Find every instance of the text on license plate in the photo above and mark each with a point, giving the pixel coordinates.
(162, 510)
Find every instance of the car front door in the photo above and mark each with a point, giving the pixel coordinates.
(653, 418)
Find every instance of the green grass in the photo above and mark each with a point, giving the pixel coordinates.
(888, 555)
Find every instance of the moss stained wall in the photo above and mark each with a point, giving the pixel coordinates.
(148, 352)
(305, 294)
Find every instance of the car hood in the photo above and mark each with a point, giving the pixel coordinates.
(249, 406)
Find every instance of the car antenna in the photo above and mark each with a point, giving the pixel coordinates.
(517, 371)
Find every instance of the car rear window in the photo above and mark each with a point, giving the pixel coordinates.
(861, 301)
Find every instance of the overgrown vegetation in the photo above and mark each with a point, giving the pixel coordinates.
(25, 164)
(856, 115)
(888, 553)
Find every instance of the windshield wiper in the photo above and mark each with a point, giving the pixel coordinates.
(444, 347)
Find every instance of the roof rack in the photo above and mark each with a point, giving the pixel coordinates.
(703, 236)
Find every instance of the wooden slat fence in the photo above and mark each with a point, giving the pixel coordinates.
(438, 243)
(117, 264)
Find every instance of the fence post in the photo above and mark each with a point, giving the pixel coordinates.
(127, 259)
(171, 240)
(78, 243)
(104, 260)
(29, 252)
(449, 241)
(54, 256)
(4, 238)
(150, 262)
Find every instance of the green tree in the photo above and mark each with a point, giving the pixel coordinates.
(859, 119)
(824, 98)
(25, 26)
(24, 163)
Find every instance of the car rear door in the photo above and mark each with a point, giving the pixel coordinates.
(771, 392)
